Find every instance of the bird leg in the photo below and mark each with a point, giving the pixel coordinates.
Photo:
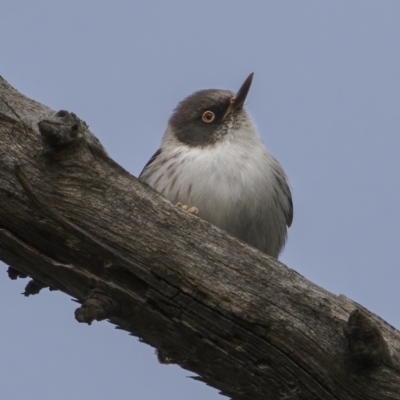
(191, 210)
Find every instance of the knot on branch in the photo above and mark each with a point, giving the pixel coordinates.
(14, 274)
(163, 358)
(97, 306)
(33, 287)
(366, 344)
(64, 129)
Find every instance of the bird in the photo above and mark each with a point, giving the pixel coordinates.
(212, 162)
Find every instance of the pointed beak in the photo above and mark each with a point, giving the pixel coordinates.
(238, 100)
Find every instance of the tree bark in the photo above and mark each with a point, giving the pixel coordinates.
(74, 220)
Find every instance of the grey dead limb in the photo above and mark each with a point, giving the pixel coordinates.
(74, 220)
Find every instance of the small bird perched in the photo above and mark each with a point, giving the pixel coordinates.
(212, 157)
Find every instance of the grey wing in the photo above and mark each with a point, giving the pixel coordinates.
(287, 206)
(152, 159)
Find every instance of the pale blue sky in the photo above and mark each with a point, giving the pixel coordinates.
(325, 96)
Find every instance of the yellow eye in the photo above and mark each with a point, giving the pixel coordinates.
(208, 116)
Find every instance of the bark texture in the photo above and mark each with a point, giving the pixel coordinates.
(75, 221)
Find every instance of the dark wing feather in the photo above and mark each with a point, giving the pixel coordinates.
(155, 155)
(289, 213)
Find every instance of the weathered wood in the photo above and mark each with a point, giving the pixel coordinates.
(74, 220)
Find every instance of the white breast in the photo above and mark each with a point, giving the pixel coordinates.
(232, 183)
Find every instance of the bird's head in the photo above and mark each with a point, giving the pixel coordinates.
(207, 116)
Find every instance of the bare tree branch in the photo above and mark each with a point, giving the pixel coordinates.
(74, 220)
